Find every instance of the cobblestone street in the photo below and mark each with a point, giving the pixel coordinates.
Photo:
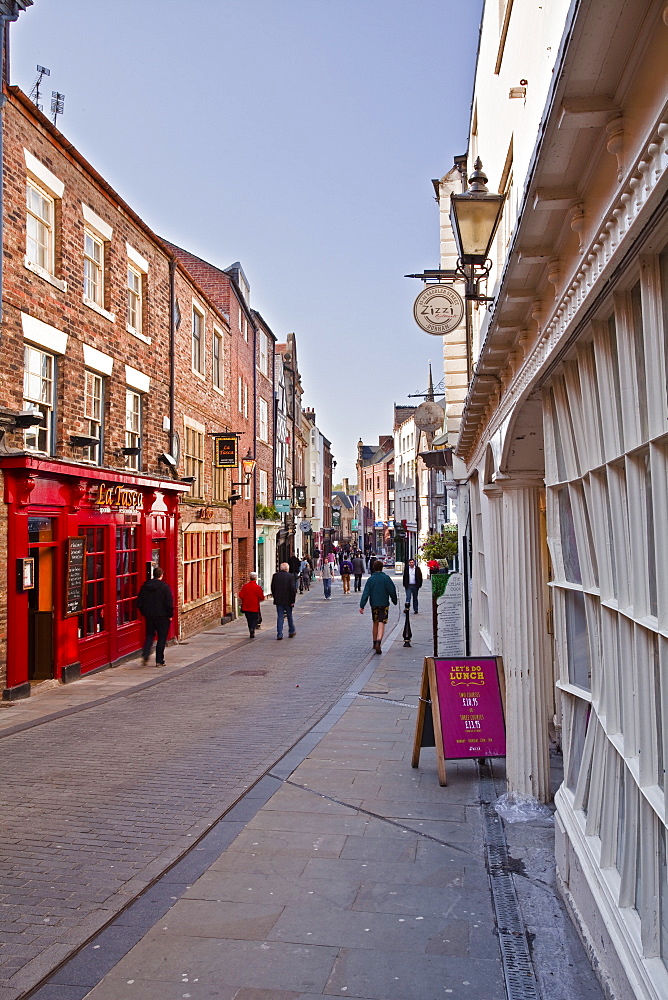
(98, 802)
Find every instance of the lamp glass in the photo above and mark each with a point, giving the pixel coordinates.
(474, 219)
(248, 465)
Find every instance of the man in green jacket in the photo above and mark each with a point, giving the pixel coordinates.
(379, 590)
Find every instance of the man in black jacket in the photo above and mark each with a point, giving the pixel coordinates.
(284, 592)
(412, 582)
(156, 603)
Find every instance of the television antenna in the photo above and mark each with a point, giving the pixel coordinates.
(57, 104)
(35, 95)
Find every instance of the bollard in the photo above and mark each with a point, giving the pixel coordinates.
(408, 634)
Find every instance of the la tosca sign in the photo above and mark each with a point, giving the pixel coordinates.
(438, 309)
(116, 497)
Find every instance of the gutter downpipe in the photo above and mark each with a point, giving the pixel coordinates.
(172, 355)
(255, 470)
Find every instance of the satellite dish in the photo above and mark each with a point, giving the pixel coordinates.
(429, 416)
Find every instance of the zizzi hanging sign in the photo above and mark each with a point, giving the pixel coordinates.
(438, 309)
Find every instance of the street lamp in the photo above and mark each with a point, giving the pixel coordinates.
(247, 469)
(475, 216)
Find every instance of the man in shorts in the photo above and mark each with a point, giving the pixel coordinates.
(379, 590)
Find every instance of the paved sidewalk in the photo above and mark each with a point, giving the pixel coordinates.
(344, 873)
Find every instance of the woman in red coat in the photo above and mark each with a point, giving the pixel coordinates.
(250, 595)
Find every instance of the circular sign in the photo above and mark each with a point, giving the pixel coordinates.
(438, 309)
(428, 416)
(304, 525)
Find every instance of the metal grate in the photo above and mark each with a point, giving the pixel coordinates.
(518, 968)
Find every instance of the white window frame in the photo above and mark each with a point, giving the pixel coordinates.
(263, 419)
(93, 268)
(43, 399)
(198, 312)
(218, 363)
(94, 415)
(263, 487)
(133, 427)
(45, 222)
(135, 299)
(263, 353)
(240, 401)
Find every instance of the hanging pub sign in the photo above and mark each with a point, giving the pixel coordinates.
(300, 496)
(461, 710)
(225, 451)
(74, 584)
(336, 517)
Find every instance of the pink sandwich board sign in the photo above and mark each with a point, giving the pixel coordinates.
(461, 710)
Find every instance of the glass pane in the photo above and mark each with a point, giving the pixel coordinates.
(579, 723)
(621, 820)
(639, 349)
(577, 639)
(614, 364)
(651, 552)
(568, 544)
(663, 896)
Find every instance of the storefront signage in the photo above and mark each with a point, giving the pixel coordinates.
(450, 618)
(304, 525)
(336, 517)
(116, 497)
(74, 585)
(300, 496)
(225, 450)
(354, 524)
(282, 505)
(461, 710)
(438, 309)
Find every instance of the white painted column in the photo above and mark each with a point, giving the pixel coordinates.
(495, 565)
(525, 647)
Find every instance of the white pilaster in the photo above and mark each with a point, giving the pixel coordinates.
(525, 650)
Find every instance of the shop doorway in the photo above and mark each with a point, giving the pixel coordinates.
(41, 598)
(158, 558)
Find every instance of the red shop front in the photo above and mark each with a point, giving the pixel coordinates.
(80, 543)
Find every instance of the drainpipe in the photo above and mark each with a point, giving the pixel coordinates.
(255, 471)
(172, 355)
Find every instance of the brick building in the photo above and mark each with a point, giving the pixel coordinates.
(375, 483)
(89, 504)
(229, 291)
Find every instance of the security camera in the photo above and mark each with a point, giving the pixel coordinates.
(167, 459)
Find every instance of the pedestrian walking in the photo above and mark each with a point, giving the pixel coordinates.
(346, 570)
(379, 590)
(412, 581)
(304, 575)
(284, 592)
(294, 563)
(156, 603)
(250, 595)
(358, 570)
(327, 574)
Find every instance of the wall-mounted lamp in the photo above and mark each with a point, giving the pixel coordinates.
(247, 469)
(475, 216)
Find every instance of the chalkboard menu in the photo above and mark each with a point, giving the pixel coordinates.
(74, 585)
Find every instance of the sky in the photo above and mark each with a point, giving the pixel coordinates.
(299, 137)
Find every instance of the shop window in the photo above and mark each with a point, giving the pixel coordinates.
(93, 412)
(38, 392)
(193, 457)
(134, 300)
(198, 341)
(133, 428)
(92, 621)
(581, 711)
(201, 565)
(127, 575)
(663, 896)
